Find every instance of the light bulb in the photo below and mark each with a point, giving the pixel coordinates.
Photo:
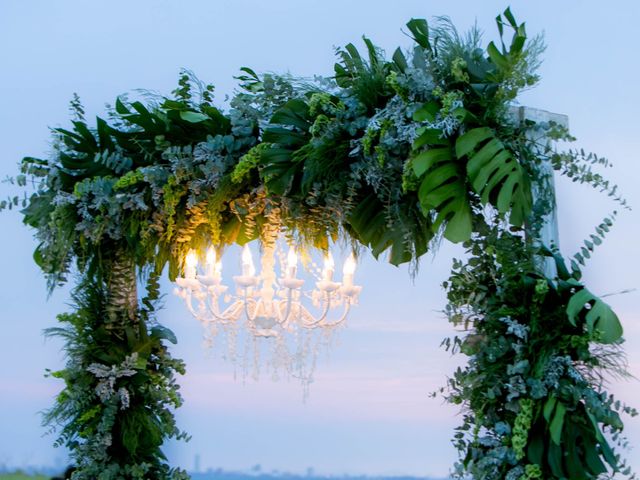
(191, 262)
(211, 257)
(192, 259)
(328, 261)
(348, 270)
(349, 267)
(292, 263)
(292, 257)
(248, 269)
(329, 266)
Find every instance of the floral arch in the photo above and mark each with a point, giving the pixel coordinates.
(389, 155)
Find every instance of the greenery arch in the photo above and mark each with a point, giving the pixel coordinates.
(390, 155)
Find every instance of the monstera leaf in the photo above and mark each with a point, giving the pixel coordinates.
(495, 174)
(600, 319)
(570, 427)
(443, 186)
(443, 189)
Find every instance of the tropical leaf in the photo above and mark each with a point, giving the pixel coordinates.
(495, 174)
(420, 31)
(503, 57)
(288, 133)
(370, 225)
(443, 186)
(605, 450)
(555, 427)
(294, 113)
(601, 320)
(193, 117)
(374, 229)
(400, 60)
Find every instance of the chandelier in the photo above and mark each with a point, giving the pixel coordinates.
(270, 310)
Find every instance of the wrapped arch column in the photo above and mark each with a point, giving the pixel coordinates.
(122, 287)
(547, 233)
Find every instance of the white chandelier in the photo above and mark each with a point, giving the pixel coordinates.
(270, 307)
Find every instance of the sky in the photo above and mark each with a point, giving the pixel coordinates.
(369, 410)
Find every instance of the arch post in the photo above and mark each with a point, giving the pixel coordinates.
(543, 191)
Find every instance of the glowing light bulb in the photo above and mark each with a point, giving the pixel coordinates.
(348, 270)
(192, 258)
(191, 262)
(329, 265)
(292, 263)
(349, 265)
(211, 258)
(248, 269)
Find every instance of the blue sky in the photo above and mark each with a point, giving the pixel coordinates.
(369, 410)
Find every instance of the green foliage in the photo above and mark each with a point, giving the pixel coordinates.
(443, 186)
(495, 174)
(589, 245)
(247, 163)
(578, 166)
(602, 323)
(366, 79)
(128, 181)
(477, 158)
(162, 176)
(521, 428)
(515, 64)
(116, 408)
(534, 408)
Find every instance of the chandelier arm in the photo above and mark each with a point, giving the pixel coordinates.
(246, 301)
(345, 313)
(213, 308)
(323, 316)
(189, 301)
(322, 321)
(284, 319)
